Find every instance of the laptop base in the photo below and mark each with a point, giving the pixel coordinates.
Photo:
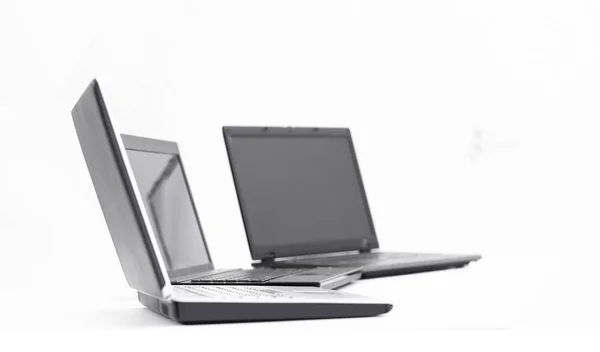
(231, 312)
(404, 263)
(416, 270)
(329, 284)
(326, 278)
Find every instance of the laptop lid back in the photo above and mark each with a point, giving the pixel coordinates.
(165, 191)
(118, 196)
(299, 190)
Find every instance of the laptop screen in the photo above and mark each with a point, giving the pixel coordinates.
(162, 184)
(300, 192)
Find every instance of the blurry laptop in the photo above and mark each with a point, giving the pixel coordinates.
(303, 203)
(163, 186)
(142, 261)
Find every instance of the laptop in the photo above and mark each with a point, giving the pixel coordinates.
(163, 186)
(303, 203)
(143, 264)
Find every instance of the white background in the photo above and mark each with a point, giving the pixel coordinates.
(475, 124)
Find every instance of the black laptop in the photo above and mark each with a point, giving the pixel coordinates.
(142, 262)
(303, 203)
(161, 179)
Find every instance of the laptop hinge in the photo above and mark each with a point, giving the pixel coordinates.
(268, 257)
(365, 246)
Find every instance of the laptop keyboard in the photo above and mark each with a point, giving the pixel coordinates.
(247, 276)
(234, 291)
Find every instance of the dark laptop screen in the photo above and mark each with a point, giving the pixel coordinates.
(168, 202)
(300, 194)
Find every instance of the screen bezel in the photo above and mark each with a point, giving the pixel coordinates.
(150, 145)
(277, 251)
